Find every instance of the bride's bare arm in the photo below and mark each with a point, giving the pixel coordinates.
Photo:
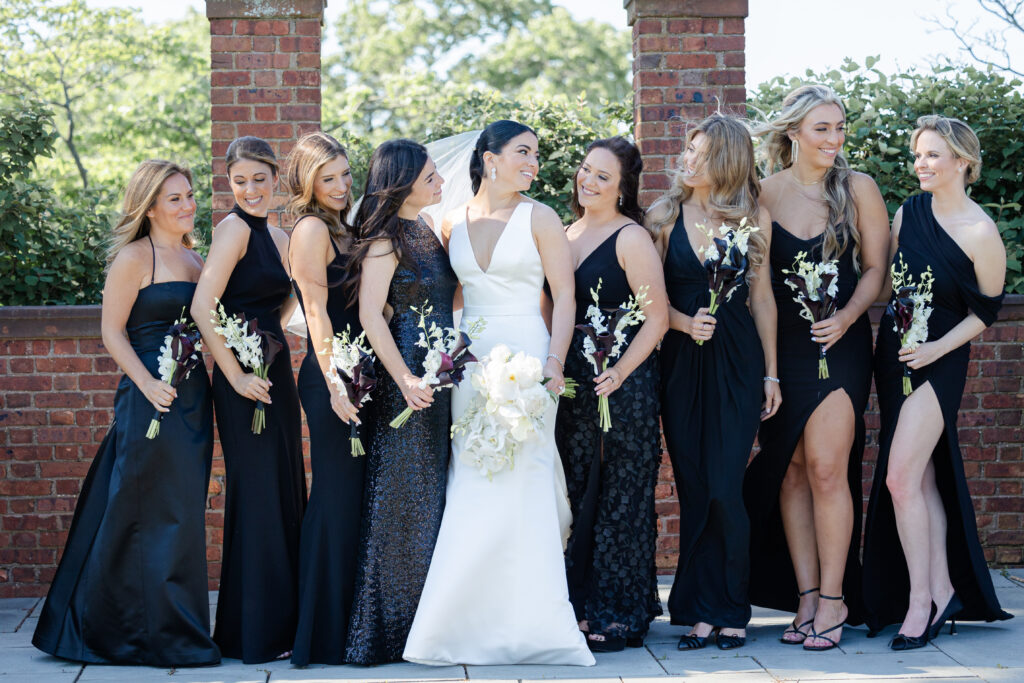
(556, 258)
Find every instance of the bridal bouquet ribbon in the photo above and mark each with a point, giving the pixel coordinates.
(910, 308)
(254, 348)
(725, 260)
(816, 285)
(447, 355)
(506, 412)
(605, 337)
(352, 371)
(180, 354)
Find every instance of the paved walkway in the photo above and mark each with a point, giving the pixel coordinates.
(989, 652)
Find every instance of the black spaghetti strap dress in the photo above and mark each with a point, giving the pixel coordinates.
(711, 397)
(772, 579)
(923, 243)
(330, 527)
(131, 586)
(266, 483)
(610, 558)
(406, 468)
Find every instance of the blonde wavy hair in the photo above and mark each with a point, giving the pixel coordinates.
(728, 163)
(310, 154)
(140, 195)
(777, 150)
(962, 140)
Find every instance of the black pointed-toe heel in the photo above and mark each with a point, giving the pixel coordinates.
(816, 634)
(901, 642)
(690, 642)
(794, 628)
(953, 608)
(725, 642)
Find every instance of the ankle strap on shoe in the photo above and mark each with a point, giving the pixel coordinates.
(831, 597)
(809, 590)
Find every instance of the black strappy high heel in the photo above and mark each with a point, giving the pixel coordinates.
(902, 642)
(793, 628)
(953, 608)
(815, 634)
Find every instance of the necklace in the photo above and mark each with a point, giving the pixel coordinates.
(792, 174)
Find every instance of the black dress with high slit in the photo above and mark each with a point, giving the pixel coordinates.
(711, 397)
(266, 482)
(772, 579)
(923, 243)
(611, 476)
(131, 587)
(330, 528)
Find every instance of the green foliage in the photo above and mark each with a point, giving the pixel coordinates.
(882, 110)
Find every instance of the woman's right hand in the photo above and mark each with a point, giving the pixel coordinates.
(250, 386)
(343, 407)
(415, 397)
(160, 394)
(701, 326)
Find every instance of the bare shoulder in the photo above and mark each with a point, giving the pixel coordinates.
(984, 232)
(133, 263)
(863, 185)
(544, 217)
(310, 225)
(772, 189)
(634, 236)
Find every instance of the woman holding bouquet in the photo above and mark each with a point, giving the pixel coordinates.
(247, 272)
(718, 371)
(611, 475)
(131, 584)
(922, 560)
(398, 263)
(803, 489)
(319, 184)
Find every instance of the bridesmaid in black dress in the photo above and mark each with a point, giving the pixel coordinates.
(266, 485)
(803, 489)
(922, 559)
(397, 263)
(611, 475)
(319, 182)
(131, 587)
(714, 396)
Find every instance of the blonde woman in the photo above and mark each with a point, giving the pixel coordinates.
(131, 585)
(803, 489)
(714, 395)
(923, 564)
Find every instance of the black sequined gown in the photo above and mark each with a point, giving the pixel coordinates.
(711, 398)
(330, 527)
(923, 243)
(266, 482)
(131, 587)
(406, 468)
(772, 579)
(611, 475)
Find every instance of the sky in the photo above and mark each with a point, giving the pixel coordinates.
(784, 37)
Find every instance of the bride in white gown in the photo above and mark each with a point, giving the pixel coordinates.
(496, 589)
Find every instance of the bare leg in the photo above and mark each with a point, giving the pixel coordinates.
(798, 523)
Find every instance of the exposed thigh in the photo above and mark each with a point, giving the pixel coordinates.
(830, 430)
(918, 429)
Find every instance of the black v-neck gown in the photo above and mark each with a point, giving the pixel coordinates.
(923, 243)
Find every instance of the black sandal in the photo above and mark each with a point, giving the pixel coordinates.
(725, 642)
(607, 643)
(691, 642)
(815, 634)
(793, 628)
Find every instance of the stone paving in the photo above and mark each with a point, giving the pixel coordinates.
(980, 652)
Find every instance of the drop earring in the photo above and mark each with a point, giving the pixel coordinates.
(620, 200)
(796, 151)
(494, 174)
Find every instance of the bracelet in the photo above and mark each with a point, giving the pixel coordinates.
(772, 379)
(557, 359)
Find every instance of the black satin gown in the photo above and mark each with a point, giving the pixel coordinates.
(406, 468)
(610, 558)
(711, 399)
(923, 243)
(266, 483)
(330, 527)
(131, 587)
(772, 579)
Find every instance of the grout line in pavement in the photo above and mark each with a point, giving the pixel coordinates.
(28, 613)
(658, 661)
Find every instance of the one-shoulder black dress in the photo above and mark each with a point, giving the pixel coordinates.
(610, 558)
(131, 587)
(923, 243)
(711, 397)
(772, 579)
(406, 468)
(330, 527)
(266, 483)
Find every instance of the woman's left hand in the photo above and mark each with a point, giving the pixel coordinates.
(829, 331)
(556, 381)
(925, 354)
(608, 381)
(772, 399)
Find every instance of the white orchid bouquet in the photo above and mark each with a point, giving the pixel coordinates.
(910, 308)
(352, 371)
(605, 337)
(254, 348)
(816, 284)
(725, 260)
(507, 411)
(447, 355)
(181, 352)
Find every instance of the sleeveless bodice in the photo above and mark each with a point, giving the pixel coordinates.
(602, 264)
(156, 308)
(338, 310)
(259, 284)
(434, 281)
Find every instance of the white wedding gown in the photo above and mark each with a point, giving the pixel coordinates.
(496, 589)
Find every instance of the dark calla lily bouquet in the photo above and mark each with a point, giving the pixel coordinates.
(725, 260)
(180, 354)
(910, 308)
(353, 371)
(816, 285)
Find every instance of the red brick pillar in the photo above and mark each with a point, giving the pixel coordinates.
(264, 78)
(687, 58)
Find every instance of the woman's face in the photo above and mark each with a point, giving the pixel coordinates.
(693, 162)
(518, 163)
(332, 184)
(175, 208)
(597, 181)
(935, 164)
(427, 188)
(821, 136)
(252, 184)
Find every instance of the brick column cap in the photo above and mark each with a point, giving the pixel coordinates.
(641, 9)
(283, 9)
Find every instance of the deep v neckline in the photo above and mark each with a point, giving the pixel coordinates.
(600, 246)
(494, 250)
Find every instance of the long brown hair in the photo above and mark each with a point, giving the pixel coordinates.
(310, 154)
(140, 194)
